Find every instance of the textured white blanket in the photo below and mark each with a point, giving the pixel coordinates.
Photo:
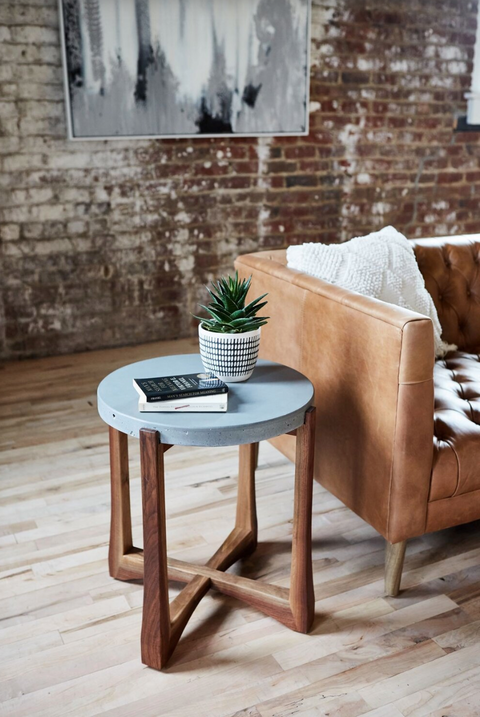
(381, 265)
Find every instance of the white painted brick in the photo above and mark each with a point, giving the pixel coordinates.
(40, 3)
(76, 227)
(20, 162)
(34, 34)
(8, 109)
(32, 230)
(31, 196)
(38, 248)
(100, 194)
(68, 161)
(457, 68)
(36, 91)
(6, 73)
(40, 110)
(29, 54)
(5, 34)
(452, 53)
(9, 126)
(39, 213)
(7, 146)
(67, 177)
(51, 126)
(9, 90)
(131, 241)
(16, 13)
(73, 194)
(10, 232)
(112, 158)
(37, 73)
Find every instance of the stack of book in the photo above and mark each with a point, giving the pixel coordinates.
(194, 392)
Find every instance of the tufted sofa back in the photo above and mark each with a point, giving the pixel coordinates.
(451, 269)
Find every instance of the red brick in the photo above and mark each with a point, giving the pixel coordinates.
(300, 151)
(449, 177)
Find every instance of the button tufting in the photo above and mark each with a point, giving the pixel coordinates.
(457, 416)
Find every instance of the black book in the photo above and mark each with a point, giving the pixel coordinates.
(167, 388)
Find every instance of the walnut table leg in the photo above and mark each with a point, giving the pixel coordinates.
(302, 598)
(156, 607)
(120, 520)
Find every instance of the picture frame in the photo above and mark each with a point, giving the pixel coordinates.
(267, 95)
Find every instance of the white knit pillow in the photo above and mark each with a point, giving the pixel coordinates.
(381, 265)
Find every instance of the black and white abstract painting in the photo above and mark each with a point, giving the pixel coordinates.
(163, 68)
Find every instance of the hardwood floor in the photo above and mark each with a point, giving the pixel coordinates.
(70, 634)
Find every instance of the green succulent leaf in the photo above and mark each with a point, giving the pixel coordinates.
(254, 304)
(218, 313)
(227, 310)
(241, 322)
(253, 310)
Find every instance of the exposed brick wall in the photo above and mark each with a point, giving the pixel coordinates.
(109, 243)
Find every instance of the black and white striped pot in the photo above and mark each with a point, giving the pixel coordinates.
(231, 357)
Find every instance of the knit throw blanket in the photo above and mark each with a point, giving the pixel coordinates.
(381, 265)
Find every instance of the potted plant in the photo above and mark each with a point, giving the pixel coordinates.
(230, 337)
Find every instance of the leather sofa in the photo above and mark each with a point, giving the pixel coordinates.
(398, 433)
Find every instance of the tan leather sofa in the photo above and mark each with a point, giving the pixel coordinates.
(398, 433)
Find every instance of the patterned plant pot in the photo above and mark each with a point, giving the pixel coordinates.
(231, 357)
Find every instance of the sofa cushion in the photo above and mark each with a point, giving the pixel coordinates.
(451, 269)
(456, 461)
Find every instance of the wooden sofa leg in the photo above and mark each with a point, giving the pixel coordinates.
(394, 556)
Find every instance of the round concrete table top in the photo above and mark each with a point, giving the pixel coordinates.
(272, 402)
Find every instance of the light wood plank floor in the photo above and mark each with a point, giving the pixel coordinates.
(70, 635)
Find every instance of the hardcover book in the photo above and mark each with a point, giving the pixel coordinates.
(167, 388)
(200, 404)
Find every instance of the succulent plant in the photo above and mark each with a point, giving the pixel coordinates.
(228, 312)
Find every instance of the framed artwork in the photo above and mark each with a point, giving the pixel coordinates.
(185, 68)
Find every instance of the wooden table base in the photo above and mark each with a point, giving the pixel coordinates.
(163, 623)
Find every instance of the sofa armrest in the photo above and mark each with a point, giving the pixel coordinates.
(372, 367)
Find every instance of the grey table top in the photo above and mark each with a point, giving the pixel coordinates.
(272, 402)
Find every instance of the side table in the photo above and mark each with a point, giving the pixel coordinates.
(274, 401)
